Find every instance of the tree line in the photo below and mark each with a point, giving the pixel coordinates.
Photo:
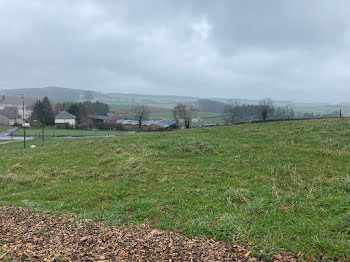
(235, 112)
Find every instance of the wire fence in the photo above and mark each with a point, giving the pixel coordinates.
(276, 120)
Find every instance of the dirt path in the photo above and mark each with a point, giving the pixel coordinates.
(27, 236)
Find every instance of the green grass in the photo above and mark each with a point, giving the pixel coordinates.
(52, 132)
(120, 106)
(279, 186)
(4, 128)
(169, 115)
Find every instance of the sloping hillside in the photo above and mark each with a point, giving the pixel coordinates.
(279, 186)
(56, 93)
(69, 94)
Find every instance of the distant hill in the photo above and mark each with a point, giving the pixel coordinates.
(122, 101)
(55, 93)
(68, 94)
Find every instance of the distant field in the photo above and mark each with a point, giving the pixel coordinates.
(322, 109)
(208, 118)
(4, 128)
(113, 107)
(169, 115)
(68, 132)
(129, 106)
(279, 186)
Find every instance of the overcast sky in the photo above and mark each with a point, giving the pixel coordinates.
(293, 50)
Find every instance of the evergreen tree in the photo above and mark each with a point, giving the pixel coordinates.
(100, 108)
(49, 113)
(43, 112)
(74, 109)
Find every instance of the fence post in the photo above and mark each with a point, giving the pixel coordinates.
(340, 114)
(312, 115)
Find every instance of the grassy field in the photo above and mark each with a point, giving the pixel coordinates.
(208, 118)
(68, 132)
(4, 128)
(169, 115)
(279, 186)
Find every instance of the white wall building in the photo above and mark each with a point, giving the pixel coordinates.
(28, 110)
(65, 118)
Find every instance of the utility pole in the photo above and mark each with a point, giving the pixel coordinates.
(24, 125)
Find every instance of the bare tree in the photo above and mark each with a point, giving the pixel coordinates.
(231, 113)
(88, 95)
(266, 108)
(59, 107)
(141, 113)
(184, 113)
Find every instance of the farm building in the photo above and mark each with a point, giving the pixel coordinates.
(148, 125)
(12, 114)
(65, 118)
(100, 119)
(197, 119)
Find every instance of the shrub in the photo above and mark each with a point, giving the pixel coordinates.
(131, 167)
(198, 147)
(105, 126)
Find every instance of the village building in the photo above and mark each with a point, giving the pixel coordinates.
(160, 125)
(65, 118)
(11, 113)
(2, 106)
(4, 121)
(197, 120)
(100, 119)
(28, 110)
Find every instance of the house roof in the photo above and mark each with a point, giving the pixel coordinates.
(65, 115)
(100, 117)
(10, 112)
(3, 117)
(166, 123)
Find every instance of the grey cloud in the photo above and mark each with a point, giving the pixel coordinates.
(250, 49)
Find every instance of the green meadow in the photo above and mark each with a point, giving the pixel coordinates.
(4, 128)
(277, 187)
(53, 132)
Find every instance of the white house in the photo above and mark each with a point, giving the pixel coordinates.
(64, 117)
(197, 120)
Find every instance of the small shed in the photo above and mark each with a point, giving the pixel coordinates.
(100, 118)
(65, 118)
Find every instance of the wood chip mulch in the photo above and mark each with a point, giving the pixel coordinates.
(28, 236)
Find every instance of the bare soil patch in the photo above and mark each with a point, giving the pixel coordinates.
(28, 236)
